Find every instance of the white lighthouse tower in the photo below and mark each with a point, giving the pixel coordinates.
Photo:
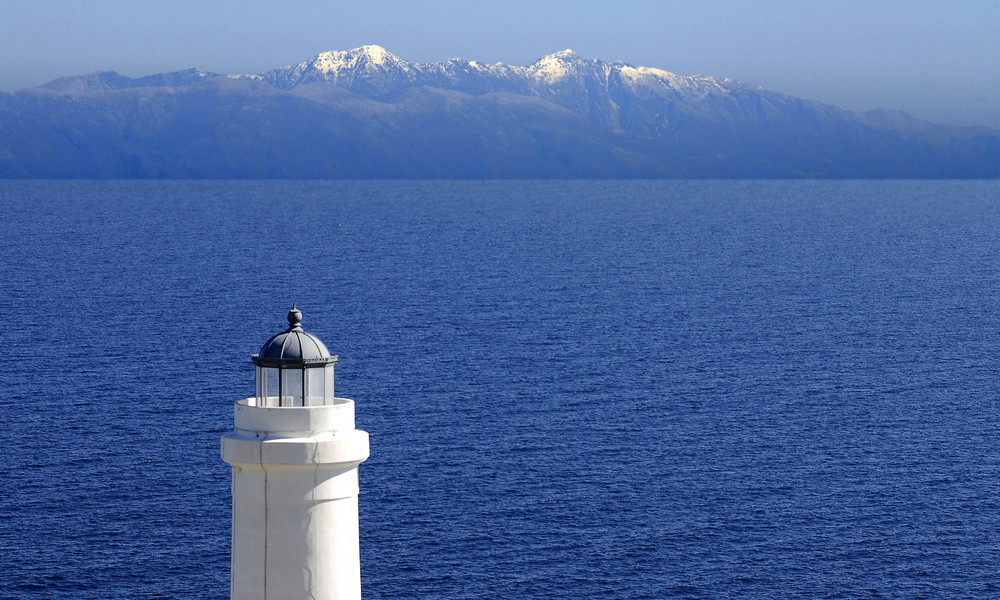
(295, 456)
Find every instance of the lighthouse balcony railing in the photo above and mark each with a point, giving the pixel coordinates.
(291, 401)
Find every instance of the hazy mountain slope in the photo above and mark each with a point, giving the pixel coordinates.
(366, 113)
(225, 128)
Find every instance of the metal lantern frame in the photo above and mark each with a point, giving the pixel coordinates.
(285, 382)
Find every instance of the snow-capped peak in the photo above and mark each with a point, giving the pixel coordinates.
(342, 67)
(563, 56)
(376, 55)
(566, 54)
(556, 66)
(370, 56)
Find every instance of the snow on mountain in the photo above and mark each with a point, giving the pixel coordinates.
(650, 78)
(373, 68)
(603, 92)
(364, 60)
(555, 67)
(367, 64)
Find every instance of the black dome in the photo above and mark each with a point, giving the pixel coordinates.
(293, 346)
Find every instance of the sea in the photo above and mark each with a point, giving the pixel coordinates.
(574, 389)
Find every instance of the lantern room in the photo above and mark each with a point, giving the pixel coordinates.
(294, 368)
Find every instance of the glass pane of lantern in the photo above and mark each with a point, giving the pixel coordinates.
(328, 391)
(270, 386)
(291, 382)
(315, 392)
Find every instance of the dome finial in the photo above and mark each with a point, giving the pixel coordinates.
(294, 318)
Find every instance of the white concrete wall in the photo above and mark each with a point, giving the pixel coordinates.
(295, 502)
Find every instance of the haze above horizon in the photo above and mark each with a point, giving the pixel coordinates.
(936, 60)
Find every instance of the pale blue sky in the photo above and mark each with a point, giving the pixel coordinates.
(937, 59)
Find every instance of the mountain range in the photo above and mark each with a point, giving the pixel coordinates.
(366, 113)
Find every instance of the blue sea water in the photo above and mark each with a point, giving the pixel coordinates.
(635, 390)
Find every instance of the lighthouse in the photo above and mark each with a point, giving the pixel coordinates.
(294, 454)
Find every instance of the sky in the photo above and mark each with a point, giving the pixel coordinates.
(936, 59)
